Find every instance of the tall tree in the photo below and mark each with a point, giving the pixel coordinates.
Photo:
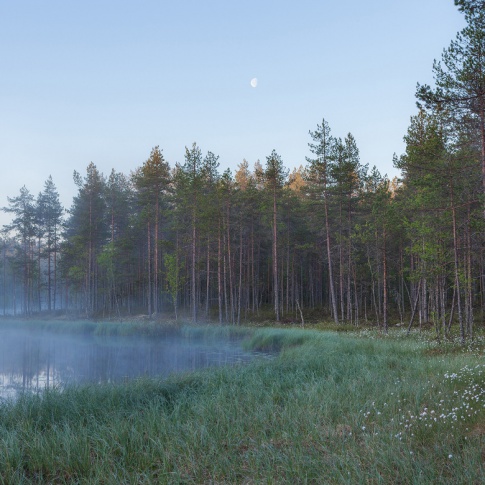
(460, 76)
(189, 181)
(152, 182)
(209, 216)
(320, 171)
(23, 227)
(441, 189)
(86, 232)
(274, 176)
(117, 256)
(347, 175)
(50, 219)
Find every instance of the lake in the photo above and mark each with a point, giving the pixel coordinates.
(36, 360)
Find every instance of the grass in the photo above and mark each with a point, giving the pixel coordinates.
(331, 408)
(148, 328)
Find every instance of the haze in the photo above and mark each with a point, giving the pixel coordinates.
(35, 360)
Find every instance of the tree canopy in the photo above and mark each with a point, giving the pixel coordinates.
(332, 239)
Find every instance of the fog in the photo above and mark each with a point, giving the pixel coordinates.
(35, 360)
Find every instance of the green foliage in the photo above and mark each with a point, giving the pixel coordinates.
(152, 183)
(175, 280)
(333, 240)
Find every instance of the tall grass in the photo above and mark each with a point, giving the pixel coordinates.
(329, 409)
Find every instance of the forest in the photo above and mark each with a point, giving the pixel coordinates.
(332, 240)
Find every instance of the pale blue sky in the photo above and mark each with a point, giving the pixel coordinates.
(105, 81)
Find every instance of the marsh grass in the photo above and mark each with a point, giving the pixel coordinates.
(330, 408)
(148, 328)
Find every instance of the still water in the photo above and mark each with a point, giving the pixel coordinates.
(35, 361)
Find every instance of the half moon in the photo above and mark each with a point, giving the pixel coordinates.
(254, 82)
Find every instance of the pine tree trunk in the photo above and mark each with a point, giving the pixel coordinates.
(155, 259)
(55, 272)
(457, 275)
(219, 275)
(469, 277)
(482, 136)
(287, 272)
(4, 277)
(39, 282)
(384, 282)
(49, 279)
(149, 251)
(207, 289)
(340, 296)
(329, 258)
(240, 275)
(193, 270)
(231, 276)
(224, 259)
(275, 260)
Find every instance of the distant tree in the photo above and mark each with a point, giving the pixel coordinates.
(7, 277)
(152, 182)
(50, 218)
(243, 175)
(119, 201)
(208, 218)
(296, 181)
(320, 175)
(347, 176)
(175, 280)
(86, 232)
(382, 215)
(189, 187)
(117, 255)
(24, 229)
(274, 176)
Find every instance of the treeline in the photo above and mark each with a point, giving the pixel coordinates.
(332, 239)
(210, 244)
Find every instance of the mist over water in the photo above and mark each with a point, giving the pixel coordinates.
(36, 360)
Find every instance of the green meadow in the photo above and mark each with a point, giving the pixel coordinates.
(329, 407)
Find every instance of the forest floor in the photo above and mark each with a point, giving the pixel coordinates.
(330, 407)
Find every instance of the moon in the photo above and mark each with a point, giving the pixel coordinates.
(254, 82)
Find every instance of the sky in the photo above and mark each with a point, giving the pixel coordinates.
(106, 81)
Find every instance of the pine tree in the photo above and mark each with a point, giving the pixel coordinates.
(117, 257)
(50, 212)
(274, 177)
(24, 230)
(460, 76)
(85, 234)
(152, 182)
(320, 175)
(188, 198)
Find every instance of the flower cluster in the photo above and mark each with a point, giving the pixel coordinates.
(464, 402)
(426, 338)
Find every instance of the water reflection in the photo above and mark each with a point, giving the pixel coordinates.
(35, 361)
